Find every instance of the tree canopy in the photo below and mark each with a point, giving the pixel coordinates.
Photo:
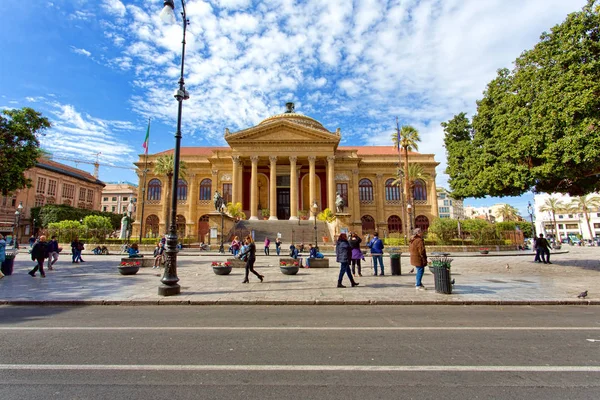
(537, 126)
(19, 146)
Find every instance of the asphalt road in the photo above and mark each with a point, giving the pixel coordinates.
(317, 352)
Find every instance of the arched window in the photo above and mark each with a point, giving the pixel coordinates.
(181, 190)
(368, 224)
(151, 226)
(394, 224)
(181, 226)
(419, 190)
(154, 189)
(422, 222)
(365, 190)
(205, 189)
(392, 192)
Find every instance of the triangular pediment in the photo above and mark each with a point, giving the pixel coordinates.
(281, 132)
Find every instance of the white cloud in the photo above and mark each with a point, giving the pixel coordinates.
(83, 52)
(115, 7)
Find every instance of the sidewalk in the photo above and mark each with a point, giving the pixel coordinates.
(480, 279)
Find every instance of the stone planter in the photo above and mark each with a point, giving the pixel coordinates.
(484, 251)
(289, 269)
(128, 270)
(144, 262)
(290, 261)
(222, 270)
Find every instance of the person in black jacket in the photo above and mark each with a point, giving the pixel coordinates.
(343, 254)
(39, 253)
(251, 253)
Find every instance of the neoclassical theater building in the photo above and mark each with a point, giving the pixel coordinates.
(277, 170)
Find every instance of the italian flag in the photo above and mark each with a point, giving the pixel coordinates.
(146, 140)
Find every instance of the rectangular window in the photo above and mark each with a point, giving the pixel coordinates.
(560, 217)
(51, 187)
(560, 226)
(81, 194)
(90, 196)
(105, 199)
(41, 185)
(442, 197)
(570, 215)
(596, 226)
(113, 208)
(39, 201)
(446, 203)
(68, 191)
(114, 199)
(125, 198)
(571, 226)
(104, 208)
(227, 189)
(342, 189)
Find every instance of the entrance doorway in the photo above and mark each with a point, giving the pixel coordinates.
(283, 203)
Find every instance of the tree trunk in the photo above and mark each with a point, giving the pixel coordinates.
(587, 220)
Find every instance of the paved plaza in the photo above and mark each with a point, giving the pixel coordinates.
(509, 278)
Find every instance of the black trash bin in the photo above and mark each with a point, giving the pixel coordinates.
(395, 264)
(7, 266)
(441, 276)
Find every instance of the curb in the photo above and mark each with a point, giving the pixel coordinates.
(174, 301)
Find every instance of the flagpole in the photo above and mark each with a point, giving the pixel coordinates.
(145, 173)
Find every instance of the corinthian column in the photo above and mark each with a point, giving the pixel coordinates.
(330, 184)
(234, 179)
(293, 189)
(253, 191)
(273, 188)
(311, 182)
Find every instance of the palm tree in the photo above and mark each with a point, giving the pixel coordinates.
(416, 172)
(508, 213)
(406, 138)
(554, 206)
(584, 204)
(165, 165)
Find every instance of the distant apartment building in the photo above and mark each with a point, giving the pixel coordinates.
(449, 207)
(486, 213)
(52, 183)
(568, 223)
(116, 197)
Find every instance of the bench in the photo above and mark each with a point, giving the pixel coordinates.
(318, 262)
(146, 262)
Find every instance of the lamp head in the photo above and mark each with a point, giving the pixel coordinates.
(167, 14)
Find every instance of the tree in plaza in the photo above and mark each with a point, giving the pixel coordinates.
(553, 206)
(165, 166)
(19, 146)
(97, 226)
(234, 210)
(537, 126)
(584, 204)
(508, 213)
(406, 138)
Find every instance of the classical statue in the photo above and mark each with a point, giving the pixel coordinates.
(219, 201)
(339, 203)
(124, 227)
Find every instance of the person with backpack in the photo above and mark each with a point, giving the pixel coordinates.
(39, 252)
(376, 246)
(357, 254)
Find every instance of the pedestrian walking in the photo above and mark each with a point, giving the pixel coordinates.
(75, 249)
(357, 254)
(53, 251)
(31, 241)
(277, 246)
(543, 247)
(537, 253)
(235, 245)
(267, 244)
(418, 256)
(343, 255)
(39, 252)
(250, 253)
(80, 248)
(2, 252)
(376, 246)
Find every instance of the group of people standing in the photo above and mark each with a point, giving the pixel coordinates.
(542, 249)
(42, 250)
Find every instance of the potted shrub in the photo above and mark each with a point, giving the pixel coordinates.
(289, 268)
(484, 250)
(129, 267)
(265, 213)
(221, 268)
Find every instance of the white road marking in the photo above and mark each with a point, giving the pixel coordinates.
(593, 340)
(303, 368)
(297, 328)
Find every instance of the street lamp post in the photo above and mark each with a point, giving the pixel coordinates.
(130, 208)
(315, 210)
(169, 280)
(33, 227)
(530, 210)
(409, 208)
(17, 223)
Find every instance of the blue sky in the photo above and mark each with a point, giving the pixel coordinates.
(98, 69)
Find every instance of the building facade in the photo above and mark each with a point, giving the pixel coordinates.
(568, 223)
(277, 170)
(52, 183)
(449, 207)
(116, 197)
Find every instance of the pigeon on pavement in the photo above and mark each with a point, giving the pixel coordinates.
(411, 271)
(582, 295)
(507, 266)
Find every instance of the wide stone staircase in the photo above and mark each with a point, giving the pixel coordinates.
(296, 232)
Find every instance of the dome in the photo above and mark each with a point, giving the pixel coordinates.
(296, 118)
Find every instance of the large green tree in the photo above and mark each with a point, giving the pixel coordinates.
(537, 126)
(19, 146)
